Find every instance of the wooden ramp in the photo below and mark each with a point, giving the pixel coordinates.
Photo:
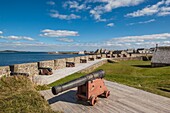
(123, 99)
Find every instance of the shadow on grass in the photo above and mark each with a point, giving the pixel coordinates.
(165, 89)
(143, 66)
(69, 96)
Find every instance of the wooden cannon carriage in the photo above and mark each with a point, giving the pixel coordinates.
(98, 57)
(70, 64)
(45, 71)
(89, 87)
(108, 55)
(91, 59)
(83, 61)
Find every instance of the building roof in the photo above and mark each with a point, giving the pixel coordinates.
(161, 55)
(117, 52)
(140, 49)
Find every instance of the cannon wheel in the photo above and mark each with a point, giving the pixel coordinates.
(93, 100)
(106, 93)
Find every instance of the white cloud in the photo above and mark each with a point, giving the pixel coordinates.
(160, 9)
(1, 32)
(51, 3)
(164, 11)
(19, 38)
(65, 40)
(167, 2)
(58, 33)
(143, 38)
(144, 41)
(13, 37)
(55, 14)
(112, 44)
(110, 24)
(75, 5)
(28, 38)
(143, 22)
(109, 5)
(148, 21)
(97, 15)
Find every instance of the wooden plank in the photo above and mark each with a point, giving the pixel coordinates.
(123, 99)
(147, 96)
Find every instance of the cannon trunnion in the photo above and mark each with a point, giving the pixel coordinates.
(89, 87)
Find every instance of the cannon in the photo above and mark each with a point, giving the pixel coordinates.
(108, 56)
(17, 74)
(45, 71)
(83, 61)
(89, 86)
(98, 57)
(70, 64)
(91, 59)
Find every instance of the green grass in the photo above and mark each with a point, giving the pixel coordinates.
(138, 74)
(61, 81)
(66, 79)
(18, 95)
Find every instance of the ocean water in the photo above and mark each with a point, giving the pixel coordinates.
(7, 59)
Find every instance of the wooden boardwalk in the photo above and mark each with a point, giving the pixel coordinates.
(123, 99)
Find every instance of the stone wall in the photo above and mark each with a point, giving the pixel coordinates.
(85, 57)
(103, 55)
(60, 63)
(4, 71)
(140, 55)
(30, 68)
(49, 63)
(94, 56)
(89, 56)
(130, 58)
(69, 59)
(77, 60)
(93, 67)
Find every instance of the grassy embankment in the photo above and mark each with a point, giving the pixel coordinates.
(18, 95)
(138, 74)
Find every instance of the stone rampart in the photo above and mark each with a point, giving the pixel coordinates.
(48, 63)
(69, 59)
(30, 68)
(77, 60)
(60, 63)
(4, 71)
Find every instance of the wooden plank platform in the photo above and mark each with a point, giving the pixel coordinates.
(123, 99)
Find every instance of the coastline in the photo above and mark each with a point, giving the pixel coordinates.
(7, 59)
(32, 68)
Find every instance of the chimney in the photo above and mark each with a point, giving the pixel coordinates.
(156, 45)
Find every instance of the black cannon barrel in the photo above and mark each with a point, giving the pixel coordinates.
(77, 82)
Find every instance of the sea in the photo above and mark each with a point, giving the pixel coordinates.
(9, 58)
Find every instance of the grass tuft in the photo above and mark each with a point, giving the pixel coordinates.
(18, 95)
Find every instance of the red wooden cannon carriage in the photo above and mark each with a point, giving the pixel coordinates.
(89, 87)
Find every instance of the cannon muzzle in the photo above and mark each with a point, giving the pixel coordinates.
(77, 82)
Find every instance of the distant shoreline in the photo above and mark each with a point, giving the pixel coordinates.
(12, 58)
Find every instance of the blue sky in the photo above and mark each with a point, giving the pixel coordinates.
(74, 25)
